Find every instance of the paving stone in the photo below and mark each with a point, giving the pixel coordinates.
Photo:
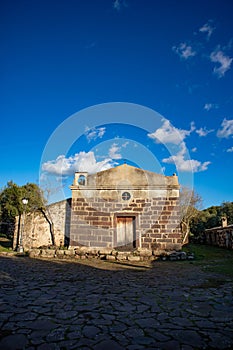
(220, 341)
(160, 337)
(57, 334)
(41, 325)
(50, 346)
(103, 322)
(37, 337)
(5, 315)
(108, 345)
(188, 337)
(170, 345)
(64, 315)
(187, 347)
(13, 342)
(26, 316)
(74, 335)
(120, 339)
(162, 316)
(135, 347)
(180, 321)
(90, 331)
(119, 326)
(204, 323)
(133, 332)
(108, 316)
(144, 340)
(147, 322)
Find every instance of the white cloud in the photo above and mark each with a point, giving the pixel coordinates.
(184, 50)
(163, 169)
(113, 151)
(226, 129)
(118, 4)
(194, 149)
(230, 149)
(203, 132)
(224, 62)
(207, 28)
(209, 106)
(60, 166)
(94, 133)
(186, 165)
(169, 134)
(90, 45)
(125, 144)
(82, 161)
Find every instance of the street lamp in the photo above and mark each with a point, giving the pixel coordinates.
(20, 247)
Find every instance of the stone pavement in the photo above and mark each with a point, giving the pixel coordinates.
(101, 305)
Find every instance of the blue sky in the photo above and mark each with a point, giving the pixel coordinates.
(59, 58)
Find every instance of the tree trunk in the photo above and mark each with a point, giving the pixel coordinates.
(51, 225)
(185, 231)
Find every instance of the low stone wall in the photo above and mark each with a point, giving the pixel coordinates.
(219, 236)
(109, 254)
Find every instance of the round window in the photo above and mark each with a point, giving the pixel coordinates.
(126, 196)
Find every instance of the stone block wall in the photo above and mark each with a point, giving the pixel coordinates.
(37, 225)
(90, 226)
(160, 224)
(93, 221)
(219, 236)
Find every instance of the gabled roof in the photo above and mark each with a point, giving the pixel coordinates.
(127, 175)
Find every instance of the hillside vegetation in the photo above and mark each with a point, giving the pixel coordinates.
(211, 217)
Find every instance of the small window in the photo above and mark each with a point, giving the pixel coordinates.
(82, 180)
(126, 196)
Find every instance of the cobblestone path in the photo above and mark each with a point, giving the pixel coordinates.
(101, 305)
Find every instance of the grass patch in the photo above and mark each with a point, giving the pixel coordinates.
(214, 259)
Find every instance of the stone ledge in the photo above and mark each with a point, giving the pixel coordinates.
(109, 254)
(8, 253)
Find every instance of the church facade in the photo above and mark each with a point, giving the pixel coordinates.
(125, 208)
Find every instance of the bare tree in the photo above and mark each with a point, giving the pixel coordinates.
(45, 209)
(190, 204)
(48, 190)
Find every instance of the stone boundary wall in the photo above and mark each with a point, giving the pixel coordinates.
(219, 236)
(110, 254)
(37, 226)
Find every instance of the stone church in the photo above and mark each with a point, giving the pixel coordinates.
(123, 208)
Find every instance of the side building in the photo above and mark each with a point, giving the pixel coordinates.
(221, 236)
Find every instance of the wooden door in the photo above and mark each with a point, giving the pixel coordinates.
(125, 231)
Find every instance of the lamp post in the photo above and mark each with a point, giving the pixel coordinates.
(20, 247)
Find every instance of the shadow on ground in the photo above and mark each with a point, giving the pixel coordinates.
(97, 305)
